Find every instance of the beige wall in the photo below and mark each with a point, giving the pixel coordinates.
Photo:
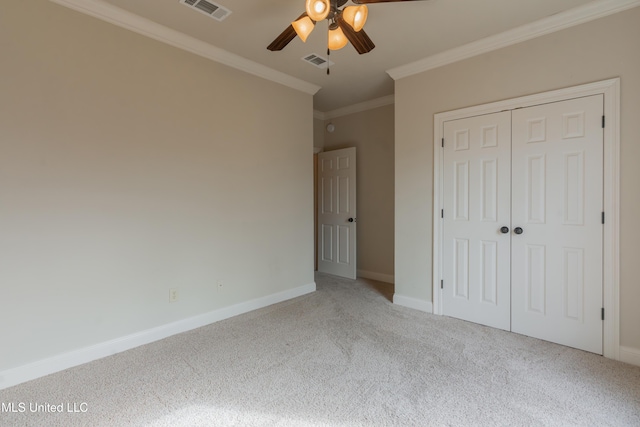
(372, 133)
(590, 52)
(127, 168)
(318, 134)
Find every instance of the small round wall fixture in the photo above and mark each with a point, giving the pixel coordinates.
(331, 127)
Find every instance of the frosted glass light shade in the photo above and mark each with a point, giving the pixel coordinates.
(337, 40)
(303, 27)
(318, 9)
(356, 16)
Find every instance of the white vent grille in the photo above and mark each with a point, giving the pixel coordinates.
(317, 60)
(211, 9)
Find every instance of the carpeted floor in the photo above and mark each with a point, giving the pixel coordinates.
(342, 356)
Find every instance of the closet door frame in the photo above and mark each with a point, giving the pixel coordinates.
(611, 265)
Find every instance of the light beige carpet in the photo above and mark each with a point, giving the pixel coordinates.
(342, 356)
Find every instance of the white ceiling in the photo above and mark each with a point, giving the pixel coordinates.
(403, 32)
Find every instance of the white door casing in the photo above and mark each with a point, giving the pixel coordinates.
(337, 212)
(609, 91)
(477, 171)
(557, 203)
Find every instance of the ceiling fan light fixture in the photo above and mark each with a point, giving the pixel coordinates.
(337, 39)
(318, 9)
(303, 27)
(356, 16)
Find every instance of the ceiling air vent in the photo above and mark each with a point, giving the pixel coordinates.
(213, 10)
(317, 60)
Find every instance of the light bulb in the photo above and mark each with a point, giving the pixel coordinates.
(318, 9)
(303, 27)
(355, 16)
(337, 39)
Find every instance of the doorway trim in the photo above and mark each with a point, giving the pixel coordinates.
(611, 203)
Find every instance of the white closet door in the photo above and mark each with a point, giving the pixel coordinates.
(476, 257)
(557, 200)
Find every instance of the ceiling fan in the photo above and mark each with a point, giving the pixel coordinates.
(345, 25)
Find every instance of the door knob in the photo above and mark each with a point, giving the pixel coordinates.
(351, 220)
(518, 230)
(504, 230)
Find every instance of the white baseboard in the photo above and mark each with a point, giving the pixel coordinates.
(416, 304)
(68, 360)
(630, 355)
(387, 278)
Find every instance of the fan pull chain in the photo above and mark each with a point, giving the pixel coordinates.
(328, 50)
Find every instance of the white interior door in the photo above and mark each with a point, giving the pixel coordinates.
(337, 212)
(476, 248)
(557, 195)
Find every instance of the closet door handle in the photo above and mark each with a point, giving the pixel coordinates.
(504, 230)
(518, 230)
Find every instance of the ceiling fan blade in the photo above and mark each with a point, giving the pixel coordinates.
(360, 40)
(285, 37)
(378, 1)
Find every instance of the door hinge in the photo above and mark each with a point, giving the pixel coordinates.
(602, 313)
(441, 213)
(442, 142)
(441, 284)
(603, 122)
(603, 217)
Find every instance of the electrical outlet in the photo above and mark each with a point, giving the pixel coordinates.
(220, 286)
(173, 295)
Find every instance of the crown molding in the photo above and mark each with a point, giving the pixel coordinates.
(319, 115)
(130, 21)
(355, 108)
(579, 15)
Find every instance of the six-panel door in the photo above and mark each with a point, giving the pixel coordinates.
(557, 199)
(337, 212)
(476, 252)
